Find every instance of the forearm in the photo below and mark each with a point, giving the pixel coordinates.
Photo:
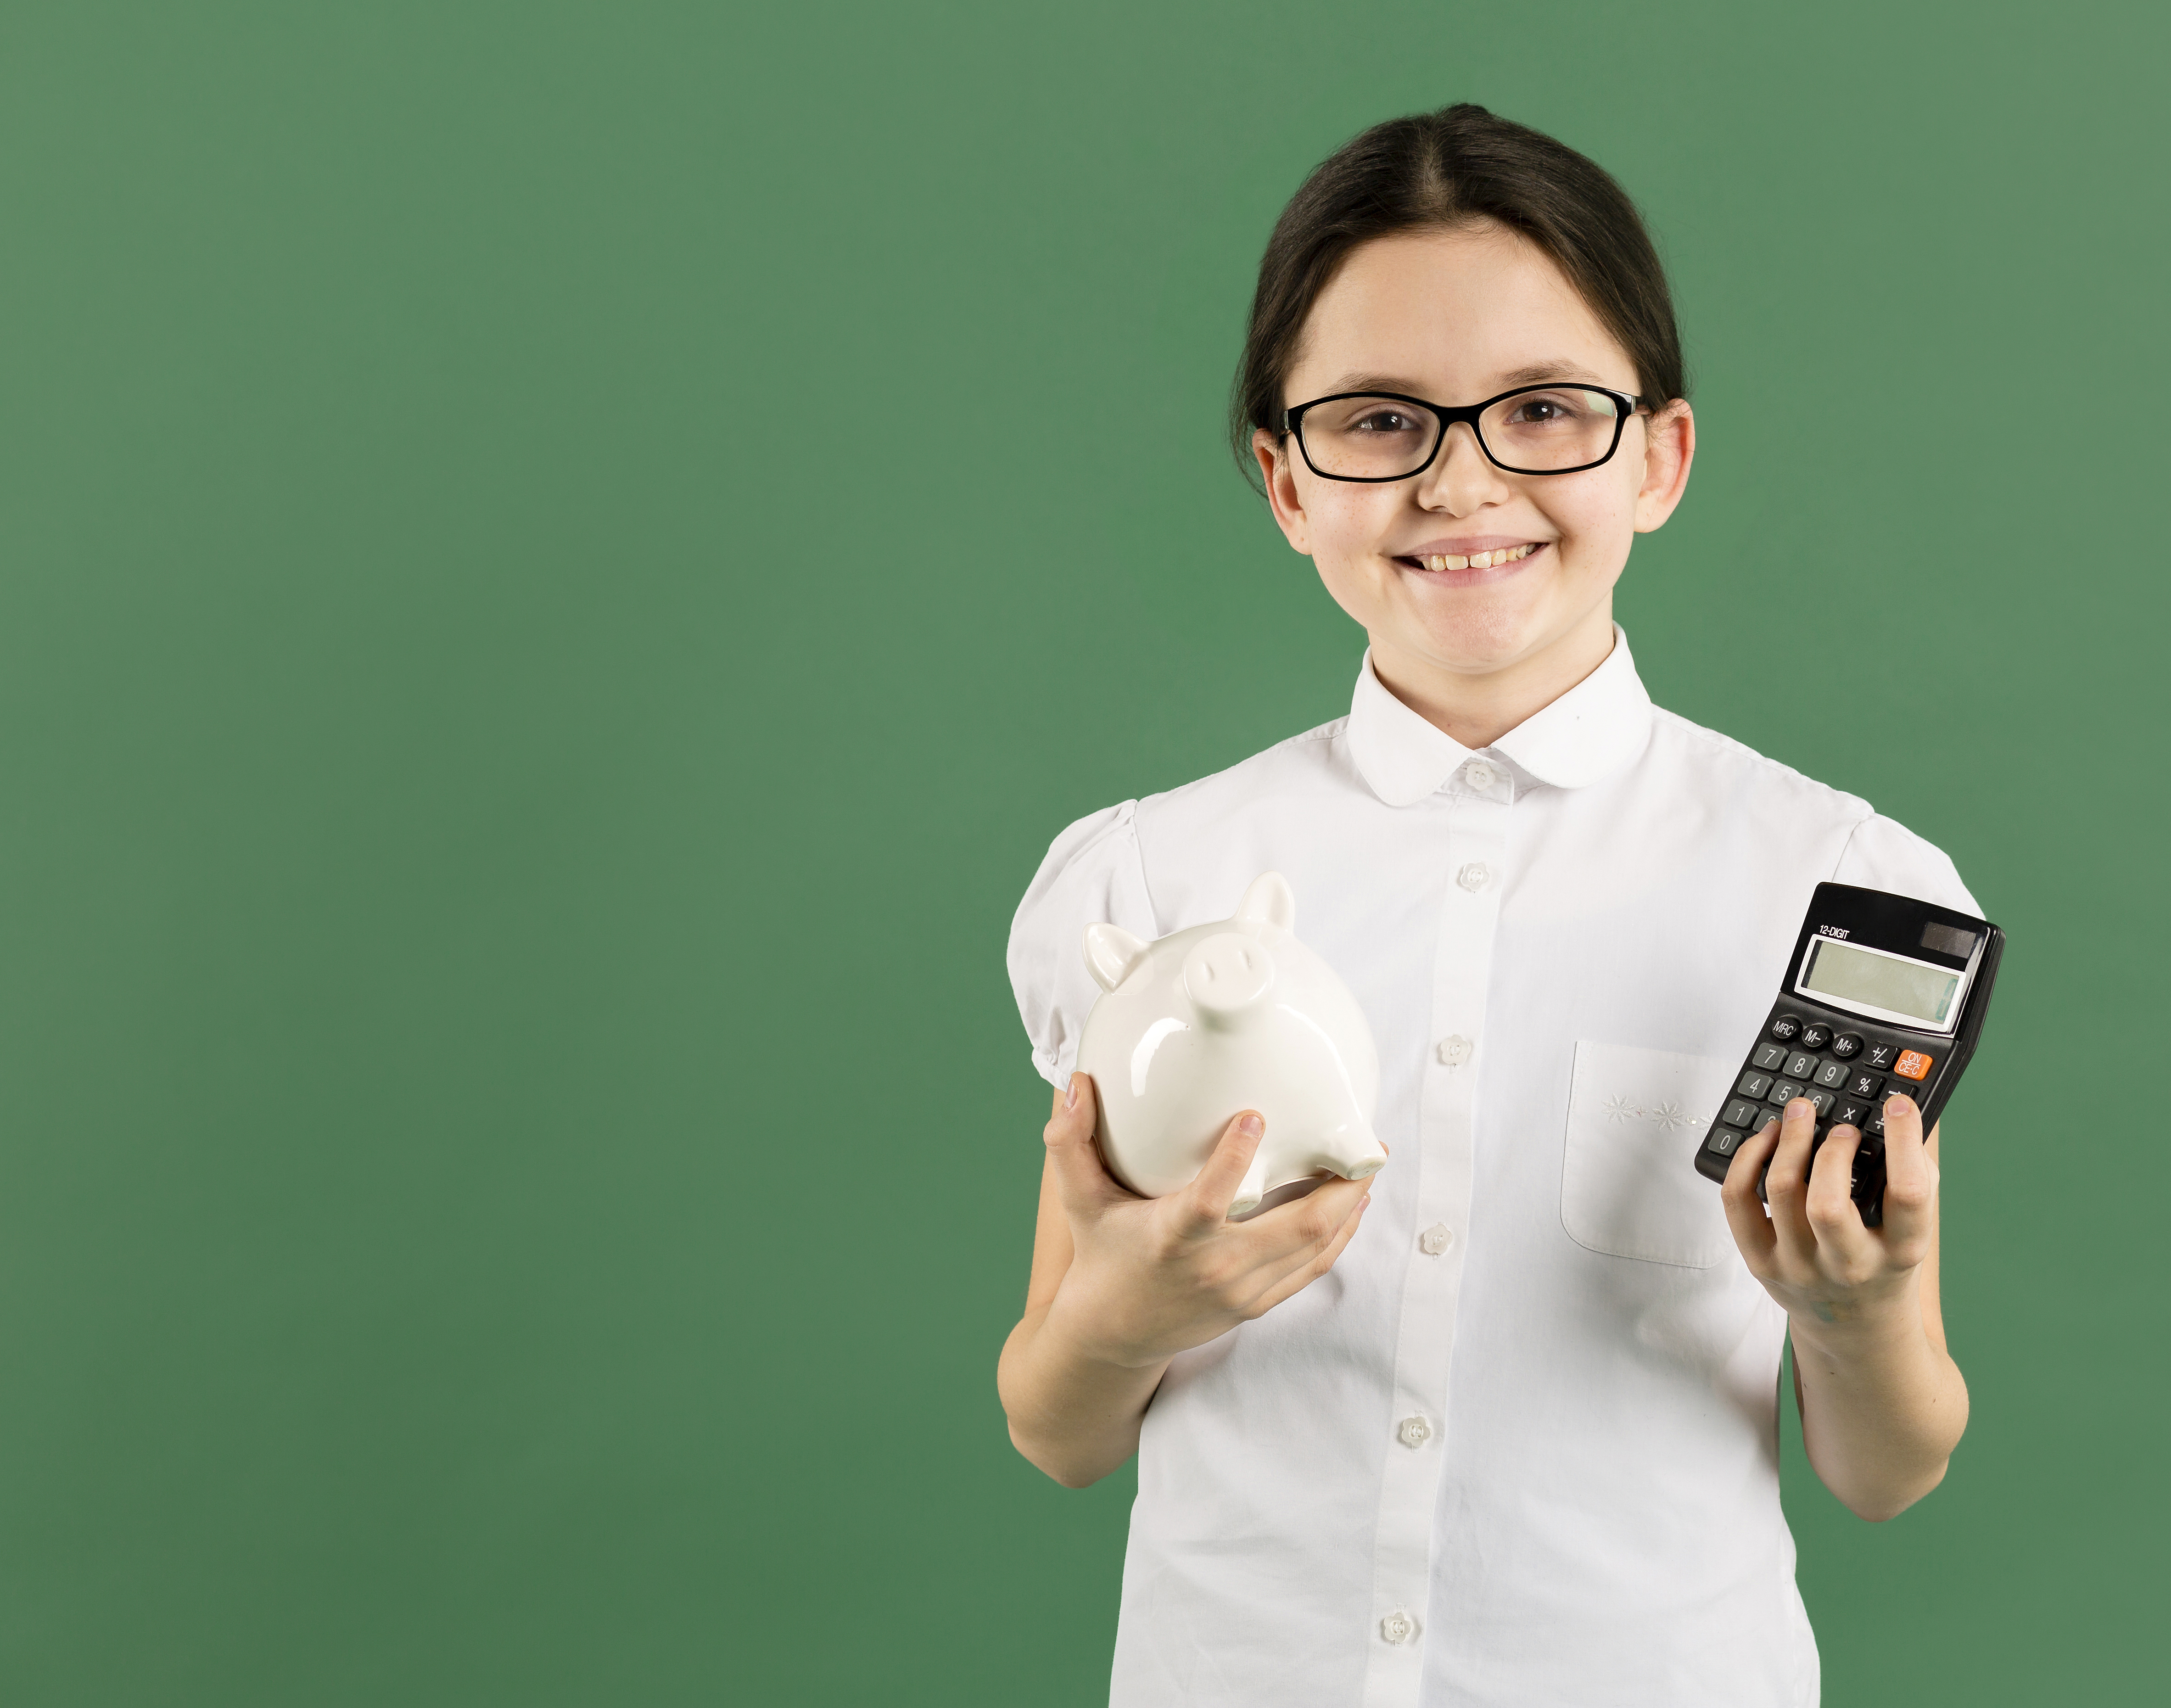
(1074, 1414)
(1882, 1407)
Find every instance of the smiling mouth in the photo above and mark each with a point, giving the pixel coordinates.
(1479, 560)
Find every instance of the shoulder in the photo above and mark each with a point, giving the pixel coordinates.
(1102, 868)
(1715, 763)
(1105, 851)
(1862, 845)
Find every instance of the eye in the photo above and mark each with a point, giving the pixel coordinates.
(1385, 420)
(1536, 411)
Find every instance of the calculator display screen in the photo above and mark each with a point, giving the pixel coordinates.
(1862, 976)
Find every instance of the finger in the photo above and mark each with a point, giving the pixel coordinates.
(1300, 1229)
(1832, 1212)
(1297, 1280)
(1787, 1185)
(1911, 1186)
(1744, 1211)
(1082, 1182)
(1207, 1199)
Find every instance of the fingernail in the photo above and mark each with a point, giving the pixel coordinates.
(1250, 1126)
(1070, 1096)
(1897, 1103)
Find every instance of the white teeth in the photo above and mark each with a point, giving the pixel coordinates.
(1481, 560)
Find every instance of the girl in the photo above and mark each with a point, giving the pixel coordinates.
(1497, 1426)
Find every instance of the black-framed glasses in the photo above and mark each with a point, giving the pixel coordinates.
(1532, 430)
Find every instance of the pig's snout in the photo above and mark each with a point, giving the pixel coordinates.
(1227, 973)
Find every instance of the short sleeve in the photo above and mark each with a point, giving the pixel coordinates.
(1092, 875)
(1882, 854)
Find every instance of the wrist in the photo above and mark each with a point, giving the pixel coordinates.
(1851, 1326)
(1080, 1326)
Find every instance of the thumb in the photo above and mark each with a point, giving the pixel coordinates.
(1081, 1181)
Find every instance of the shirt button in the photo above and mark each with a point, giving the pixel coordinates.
(1475, 876)
(1398, 1627)
(1413, 1432)
(1454, 1051)
(1479, 775)
(1435, 1239)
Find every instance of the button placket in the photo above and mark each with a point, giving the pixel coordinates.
(1473, 853)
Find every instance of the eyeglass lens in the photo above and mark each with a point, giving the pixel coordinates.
(1376, 439)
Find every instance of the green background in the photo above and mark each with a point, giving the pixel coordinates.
(560, 565)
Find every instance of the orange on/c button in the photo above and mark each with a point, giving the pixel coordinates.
(1912, 1065)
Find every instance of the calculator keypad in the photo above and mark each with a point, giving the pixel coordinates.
(1846, 1075)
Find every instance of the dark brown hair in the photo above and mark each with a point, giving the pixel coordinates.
(1434, 171)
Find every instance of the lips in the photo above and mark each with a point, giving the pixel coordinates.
(1439, 556)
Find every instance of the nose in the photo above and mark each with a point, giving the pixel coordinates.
(1461, 480)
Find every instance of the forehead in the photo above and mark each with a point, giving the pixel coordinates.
(1453, 315)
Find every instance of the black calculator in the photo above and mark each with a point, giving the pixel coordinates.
(1883, 994)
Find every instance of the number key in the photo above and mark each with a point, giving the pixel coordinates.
(1782, 1092)
(1741, 1113)
(1770, 1057)
(1831, 1074)
(1801, 1065)
(1754, 1084)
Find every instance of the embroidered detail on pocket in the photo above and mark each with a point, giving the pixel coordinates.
(1629, 1186)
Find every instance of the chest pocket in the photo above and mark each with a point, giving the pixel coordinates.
(1629, 1186)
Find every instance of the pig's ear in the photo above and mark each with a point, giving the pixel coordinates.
(1269, 902)
(1110, 952)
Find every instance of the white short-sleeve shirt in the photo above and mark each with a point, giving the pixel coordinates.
(1520, 1445)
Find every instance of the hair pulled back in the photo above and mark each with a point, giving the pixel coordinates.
(1440, 171)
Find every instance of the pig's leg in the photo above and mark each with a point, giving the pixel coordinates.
(1253, 1188)
(1353, 1155)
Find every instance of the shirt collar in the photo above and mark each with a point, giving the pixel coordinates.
(1590, 731)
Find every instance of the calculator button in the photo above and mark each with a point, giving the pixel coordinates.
(1831, 1074)
(1786, 1030)
(1880, 1056)
(1801, 1065)
(1865, 1086)
(1851, 1113)
(1770, 1057)
(1822, 1100)
(1847, 1046)
(1740, 1113)
(1815, 1036)
(1723, 1141)
(1912, 1065)
(1754, 1084)
(1873, 1127)
(1782, 1092)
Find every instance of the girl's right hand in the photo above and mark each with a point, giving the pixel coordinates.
(1151, 1277)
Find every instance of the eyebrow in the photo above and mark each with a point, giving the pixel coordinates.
(1537, 374)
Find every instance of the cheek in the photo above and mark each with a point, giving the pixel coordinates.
(1597, 522)
(1349, 520)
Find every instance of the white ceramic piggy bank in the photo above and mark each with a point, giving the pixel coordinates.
(1202, 1024)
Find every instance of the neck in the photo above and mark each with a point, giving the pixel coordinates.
(1477, 707)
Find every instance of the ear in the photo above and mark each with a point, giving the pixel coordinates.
(1269, 902)
(1277, 471)
(1111, 953)
(1670, 446)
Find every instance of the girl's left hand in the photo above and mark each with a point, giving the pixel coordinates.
(1812, 1252)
